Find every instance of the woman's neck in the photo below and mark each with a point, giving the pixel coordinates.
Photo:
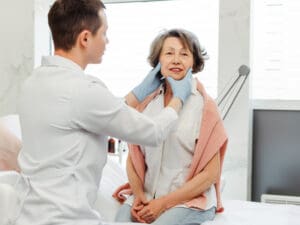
(168, 94)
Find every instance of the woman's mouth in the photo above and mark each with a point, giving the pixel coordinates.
(175, 70)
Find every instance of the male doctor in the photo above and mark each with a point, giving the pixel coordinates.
(66, 117)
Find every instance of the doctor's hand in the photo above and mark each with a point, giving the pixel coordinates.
(150, 83)
(182, 88)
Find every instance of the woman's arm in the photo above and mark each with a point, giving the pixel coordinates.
(135, 182)
(196, 186)
(138, 191)
(191, 189)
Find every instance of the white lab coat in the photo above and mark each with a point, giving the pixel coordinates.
(65, 118)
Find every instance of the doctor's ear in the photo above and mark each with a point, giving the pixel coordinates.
(83, 38)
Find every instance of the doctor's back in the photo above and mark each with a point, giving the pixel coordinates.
(63, 154)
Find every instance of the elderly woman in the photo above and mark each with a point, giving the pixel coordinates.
(177, 182)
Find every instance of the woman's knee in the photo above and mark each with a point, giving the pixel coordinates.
(124, 214)
(182, 216)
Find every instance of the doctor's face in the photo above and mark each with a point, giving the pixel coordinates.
(175, 59)
(98, 41)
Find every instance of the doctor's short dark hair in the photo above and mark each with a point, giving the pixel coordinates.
(189, 41)
(67, 18)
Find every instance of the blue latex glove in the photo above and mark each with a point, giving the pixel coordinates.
(182, 88)
(150, 83)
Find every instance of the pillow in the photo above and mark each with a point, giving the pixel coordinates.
(10, 146)
(113, 176)
(12, 122)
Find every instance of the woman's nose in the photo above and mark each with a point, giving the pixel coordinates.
(176, 59)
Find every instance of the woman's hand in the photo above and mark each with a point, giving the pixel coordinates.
(138, 204)
(152, 210)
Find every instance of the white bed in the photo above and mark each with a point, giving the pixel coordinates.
(236, 212)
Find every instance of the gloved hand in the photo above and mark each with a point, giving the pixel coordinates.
(150, 83)
(182, 88)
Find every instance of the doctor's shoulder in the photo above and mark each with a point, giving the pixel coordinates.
(92, 80)
(91, 92)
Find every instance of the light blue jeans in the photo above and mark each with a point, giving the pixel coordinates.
(173, 216)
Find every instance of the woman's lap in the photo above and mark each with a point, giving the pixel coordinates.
(173, 216)
(180, 216)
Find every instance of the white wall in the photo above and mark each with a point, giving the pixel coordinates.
(16, 44)
(18, 41)
(234, 45)
(42, 37)
(25, 38)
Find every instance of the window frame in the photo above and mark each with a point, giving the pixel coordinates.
(128, 1)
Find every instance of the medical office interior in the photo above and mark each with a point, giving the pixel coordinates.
(262, 109)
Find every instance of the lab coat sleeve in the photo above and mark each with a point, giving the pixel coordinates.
(98, 111)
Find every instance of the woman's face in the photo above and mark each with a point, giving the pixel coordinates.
(175, 60)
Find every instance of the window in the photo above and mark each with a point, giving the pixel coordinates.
(276, 52)
(133, 26)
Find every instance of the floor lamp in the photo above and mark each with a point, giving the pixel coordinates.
(229, 94)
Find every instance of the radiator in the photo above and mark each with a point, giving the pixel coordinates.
(280, 199)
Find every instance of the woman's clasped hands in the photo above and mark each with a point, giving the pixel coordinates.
(144, 211)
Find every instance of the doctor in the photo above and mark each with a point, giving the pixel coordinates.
(66, 117)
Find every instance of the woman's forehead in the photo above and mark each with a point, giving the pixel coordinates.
(175, 42)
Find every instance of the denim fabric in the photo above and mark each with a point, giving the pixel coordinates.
(173, 216)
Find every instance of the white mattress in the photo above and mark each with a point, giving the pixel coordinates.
(254, 213)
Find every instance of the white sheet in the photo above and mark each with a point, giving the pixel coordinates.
(254, 213)
(123, 223)
(112, 177)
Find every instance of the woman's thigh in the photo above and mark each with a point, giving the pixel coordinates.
(181, 216)
(124, 214)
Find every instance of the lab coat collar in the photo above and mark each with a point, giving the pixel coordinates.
(60, 61)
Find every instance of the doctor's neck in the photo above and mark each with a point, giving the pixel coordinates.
(74, 55)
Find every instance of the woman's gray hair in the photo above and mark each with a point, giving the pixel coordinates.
(189, 41)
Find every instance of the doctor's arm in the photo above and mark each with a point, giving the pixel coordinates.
(132, 101)
(191, 189)
(96, 110)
